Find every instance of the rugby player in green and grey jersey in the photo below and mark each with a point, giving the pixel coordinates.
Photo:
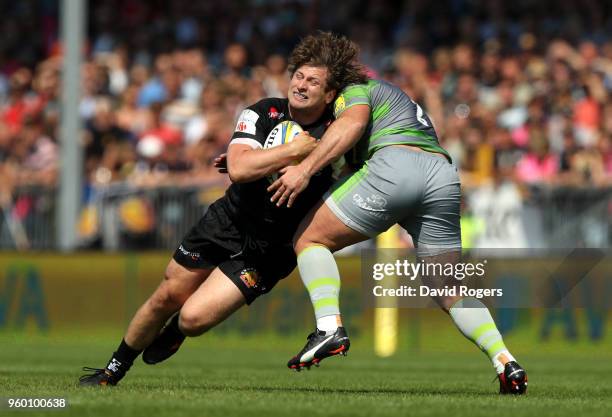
(395, 120)
(406, 178)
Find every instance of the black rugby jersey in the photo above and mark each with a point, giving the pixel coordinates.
(249, 203)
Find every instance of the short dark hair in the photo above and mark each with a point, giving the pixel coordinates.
(336, 53)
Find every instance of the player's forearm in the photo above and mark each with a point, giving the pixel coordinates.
(257, 163)
(341, 136)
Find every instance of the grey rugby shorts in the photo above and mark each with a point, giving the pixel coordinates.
(419, 190)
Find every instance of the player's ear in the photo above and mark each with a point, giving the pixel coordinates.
(330, 96)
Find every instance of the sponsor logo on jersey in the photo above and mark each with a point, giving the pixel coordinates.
(274, 114)
(245, 127)
(250, 277)
(374, 205)
(246, 122)
(340, 104)
(193, 255)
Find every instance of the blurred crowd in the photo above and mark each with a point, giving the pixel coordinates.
(517, 90)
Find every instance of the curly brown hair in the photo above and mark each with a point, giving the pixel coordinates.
(336, 53)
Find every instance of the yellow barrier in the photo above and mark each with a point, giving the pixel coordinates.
(43, 291)
(47, 290)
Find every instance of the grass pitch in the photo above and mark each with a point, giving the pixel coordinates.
(232, 377)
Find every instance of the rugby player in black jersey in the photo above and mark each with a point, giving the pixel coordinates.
(242, 246)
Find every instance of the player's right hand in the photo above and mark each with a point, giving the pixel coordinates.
(220, 163)
(303, 144)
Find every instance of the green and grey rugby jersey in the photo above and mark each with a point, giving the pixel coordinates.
(394, 119)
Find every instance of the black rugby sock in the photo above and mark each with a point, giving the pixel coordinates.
(122, 359)
(126, 353)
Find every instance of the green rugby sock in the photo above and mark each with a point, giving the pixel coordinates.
(321, 278)
(474, 320)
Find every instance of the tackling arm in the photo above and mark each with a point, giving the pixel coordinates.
(341, 136)
(245, 164)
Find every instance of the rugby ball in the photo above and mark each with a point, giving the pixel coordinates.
(282, 133)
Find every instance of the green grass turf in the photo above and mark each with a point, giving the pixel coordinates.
(227, 377)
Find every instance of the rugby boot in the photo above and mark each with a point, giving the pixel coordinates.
(513, 380)
(320, 345)
(100, 377)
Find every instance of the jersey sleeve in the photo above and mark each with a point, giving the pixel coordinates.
(350, 96)
(252, 127)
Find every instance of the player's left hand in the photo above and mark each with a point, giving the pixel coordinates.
(288, 186)
(220, 163)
